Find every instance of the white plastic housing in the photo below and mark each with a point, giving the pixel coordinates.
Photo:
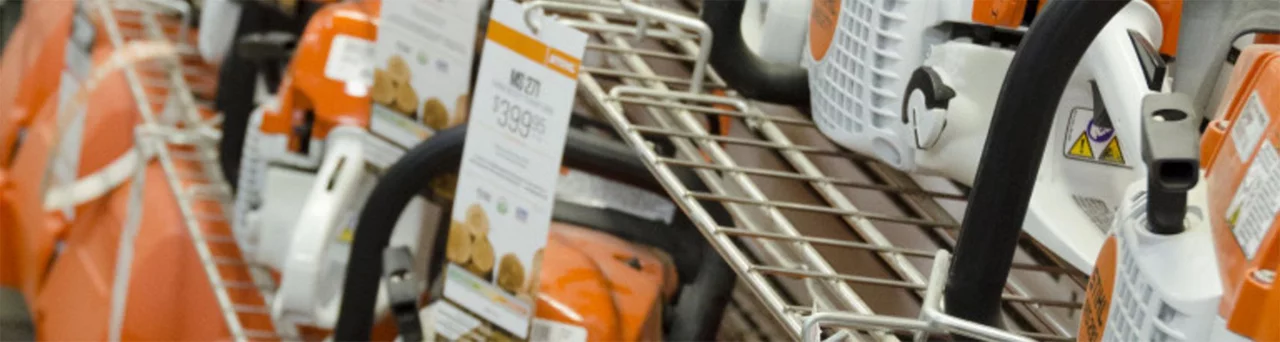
(1068, 191)
(857, 86)
(314, 267)
(975, 73)
(261, 150)
(775, 29)
(1074, 201)
(1167, 287)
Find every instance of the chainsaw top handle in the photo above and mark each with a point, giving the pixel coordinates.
(709, 280)
(1020, 125)
(743, 70)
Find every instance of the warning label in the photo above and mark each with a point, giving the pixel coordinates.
(1253, 119)
(1253, 209)
(1081, 148)
(1092, 142)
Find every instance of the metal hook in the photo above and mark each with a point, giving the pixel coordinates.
(700, 28)
(540, 6)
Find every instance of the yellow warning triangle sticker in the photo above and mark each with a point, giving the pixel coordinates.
(1081, 147)
(1112, 152)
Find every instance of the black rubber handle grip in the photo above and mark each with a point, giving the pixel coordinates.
(743, 70)
(1020, 127)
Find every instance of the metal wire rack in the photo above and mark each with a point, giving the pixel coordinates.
(180, 130)
(821, 234)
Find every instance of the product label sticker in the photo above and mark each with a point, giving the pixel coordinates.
(510, 165)
(351, 61)
(422, 67)
(1253, 209)
(546, 330)
(1249, 125)
(593, 191)
(1090, 141)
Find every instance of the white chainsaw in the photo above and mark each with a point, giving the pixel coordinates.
(914, 83)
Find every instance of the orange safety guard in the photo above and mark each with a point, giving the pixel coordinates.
(29, 76)
(29, 70)
(1248, 305)
(69, 292)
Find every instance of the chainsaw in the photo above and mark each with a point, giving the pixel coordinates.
(914, 84)
(1192, 255)
(313, 134)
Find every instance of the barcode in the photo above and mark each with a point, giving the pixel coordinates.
(540, 332)
(545, 330)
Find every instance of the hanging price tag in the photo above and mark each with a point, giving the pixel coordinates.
(422, 67)
(510, 166)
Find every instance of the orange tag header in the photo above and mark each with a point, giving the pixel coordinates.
(533, 49)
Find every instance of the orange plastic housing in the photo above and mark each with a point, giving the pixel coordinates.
(28, 52)
(586, 281)
(1250, 306)
(35, 49)
(1009, 13)
(305, 88)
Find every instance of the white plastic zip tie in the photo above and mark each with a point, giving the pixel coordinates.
(96, 185)
(129, 53)
(124, 253)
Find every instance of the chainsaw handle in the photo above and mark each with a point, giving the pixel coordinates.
(299, 298)
(744, 70)
(1020, 127)
(442, 153)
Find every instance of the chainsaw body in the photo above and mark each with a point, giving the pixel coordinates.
(313, 136)
(1214, 280)
(914, 84)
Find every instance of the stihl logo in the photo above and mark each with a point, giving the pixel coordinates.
(562, 63)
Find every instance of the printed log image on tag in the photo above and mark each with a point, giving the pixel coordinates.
(422, 68)
(510, 165)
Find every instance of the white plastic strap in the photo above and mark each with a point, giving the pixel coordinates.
(124, 256)
(97, 184)
(111, 176)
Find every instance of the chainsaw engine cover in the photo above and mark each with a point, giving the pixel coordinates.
(613, 288)
(1214, 280)
(1243, 172)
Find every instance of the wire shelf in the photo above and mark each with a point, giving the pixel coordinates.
(818, 230)
(172, 95)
